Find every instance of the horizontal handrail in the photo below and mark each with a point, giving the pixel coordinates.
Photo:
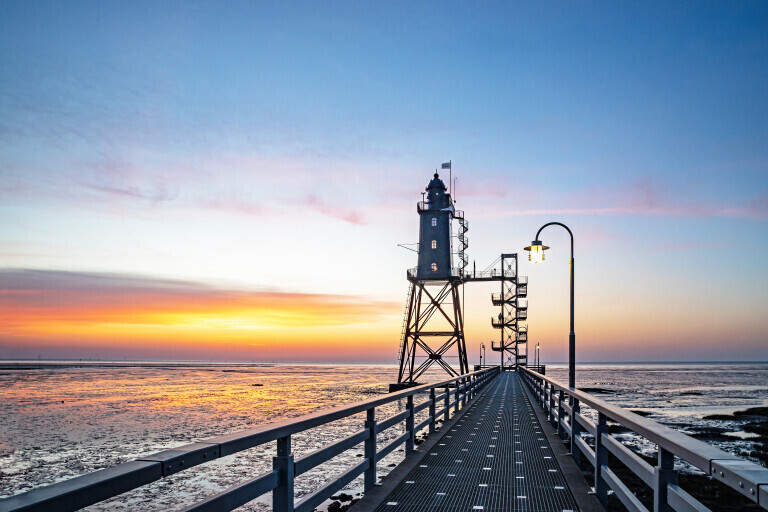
(747, 478)
(323, 454)
(100, 485)
(236, 495)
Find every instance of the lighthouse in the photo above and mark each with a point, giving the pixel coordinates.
(433, 328)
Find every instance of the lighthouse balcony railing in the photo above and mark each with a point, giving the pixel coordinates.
(424, 407)
(573, 413)
(413, 273)
(422, 206)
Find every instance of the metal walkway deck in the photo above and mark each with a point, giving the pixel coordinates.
(495, 457)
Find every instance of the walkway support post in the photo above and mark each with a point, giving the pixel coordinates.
(432, 411)
(560, 413)
(664, 474)
(410, 441)
(575, 431)
(282, 496)
(370, 448)
(456, 402)
(601, 459)
(447, 413)
(552, 410)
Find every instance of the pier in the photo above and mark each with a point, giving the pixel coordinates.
(494, 440)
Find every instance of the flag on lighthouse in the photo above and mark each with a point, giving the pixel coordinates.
(447, 165)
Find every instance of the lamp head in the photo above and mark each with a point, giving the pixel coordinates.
(536, 251)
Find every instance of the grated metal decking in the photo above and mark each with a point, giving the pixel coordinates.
(496, 457)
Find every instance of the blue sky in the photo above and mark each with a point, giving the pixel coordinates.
(281, 146)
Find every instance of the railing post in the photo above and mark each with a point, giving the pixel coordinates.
(447, 413)
(282, 496)
(410, 440)
(560, 413)
(601, 459)
(432, 411)
(663, 474)
(370, 448)
(575, 430)
(456, 404)
(552, 418)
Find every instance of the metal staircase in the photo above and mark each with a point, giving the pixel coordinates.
(405, 321)
(463, 242)
(513, 308)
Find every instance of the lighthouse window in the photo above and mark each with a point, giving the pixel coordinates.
(434, 244)
(434, 267)
(434, 221)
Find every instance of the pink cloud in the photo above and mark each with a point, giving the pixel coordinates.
(346, 214)
(640, 198)
(689, 247)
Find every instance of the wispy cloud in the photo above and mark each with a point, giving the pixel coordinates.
(350, 215)
(640, 198)
(156, 193)
(689, 247)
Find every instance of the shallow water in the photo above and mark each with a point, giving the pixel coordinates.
(63, 421)
(60, 421)
(681, 396)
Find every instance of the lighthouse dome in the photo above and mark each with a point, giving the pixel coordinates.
(436, 183)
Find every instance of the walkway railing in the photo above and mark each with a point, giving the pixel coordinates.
(563, 405)
(92, 488)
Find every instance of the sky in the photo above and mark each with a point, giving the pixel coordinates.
(231, 180)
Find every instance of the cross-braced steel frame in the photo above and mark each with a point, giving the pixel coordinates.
(425, 306)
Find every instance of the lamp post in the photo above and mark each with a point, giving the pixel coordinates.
(482, 353)
(538, 359)
(536, 254)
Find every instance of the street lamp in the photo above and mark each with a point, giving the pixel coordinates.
(536, 254)
(538, 360)
(482, 353)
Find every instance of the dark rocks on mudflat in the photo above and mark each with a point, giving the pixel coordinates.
(598, 391)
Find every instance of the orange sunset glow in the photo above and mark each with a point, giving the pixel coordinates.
(136, 314)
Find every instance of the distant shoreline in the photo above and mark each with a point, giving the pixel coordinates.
(29, 364)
